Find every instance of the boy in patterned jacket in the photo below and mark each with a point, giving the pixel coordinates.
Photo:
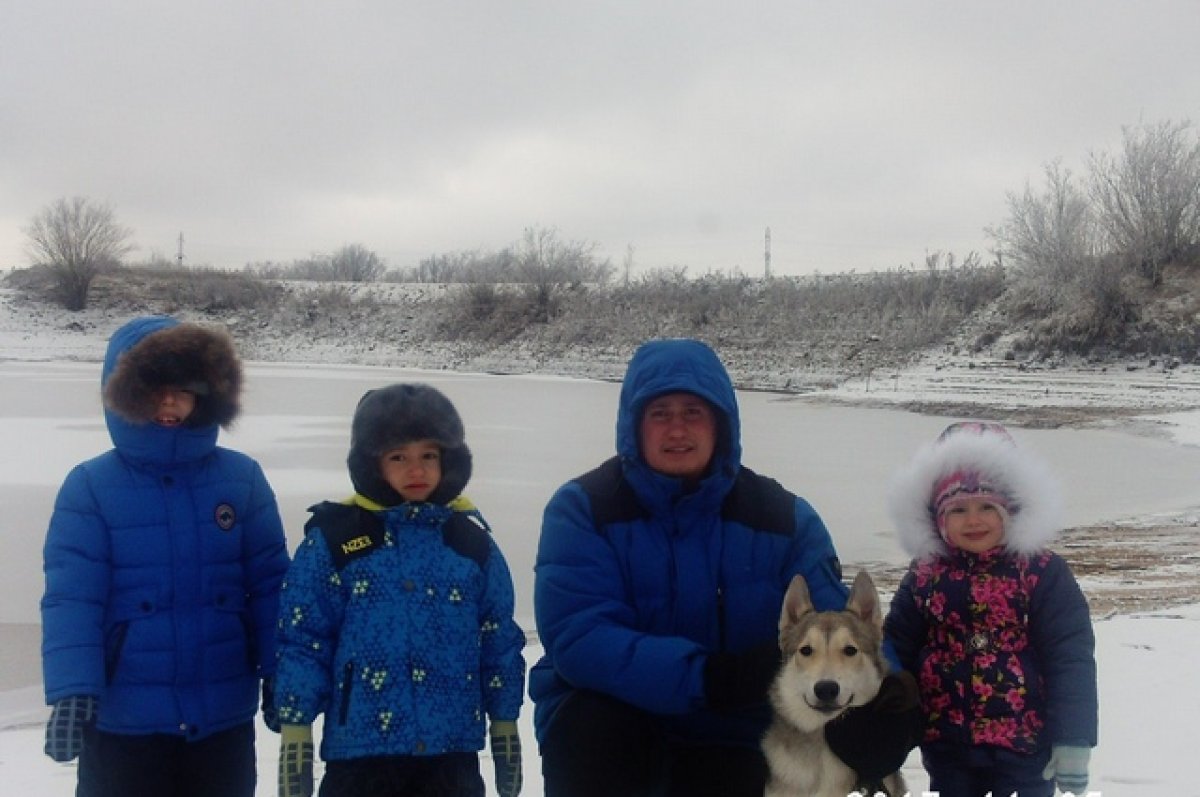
(992, 624)
(396, 620)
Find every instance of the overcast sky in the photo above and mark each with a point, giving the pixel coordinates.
(863, 134)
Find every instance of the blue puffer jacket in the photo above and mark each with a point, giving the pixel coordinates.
(396, 624)
(163, 562)
(632, 608)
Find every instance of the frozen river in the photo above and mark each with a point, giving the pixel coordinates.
(528, 435)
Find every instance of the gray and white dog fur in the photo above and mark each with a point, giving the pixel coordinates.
(831, 661)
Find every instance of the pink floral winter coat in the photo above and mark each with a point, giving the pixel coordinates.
(1001, 645)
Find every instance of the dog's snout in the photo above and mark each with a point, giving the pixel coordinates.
(826, 691)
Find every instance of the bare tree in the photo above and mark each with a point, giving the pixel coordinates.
(356, 263)
(76, 239)
(1049, 236)
(473, 266)
(1148, 199)
(1053, 242)
(546, 266)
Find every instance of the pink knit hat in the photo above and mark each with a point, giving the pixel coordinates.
(962, 484)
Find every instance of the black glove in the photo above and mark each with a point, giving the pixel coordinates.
(736, 680)
(270, 715)
(64, 731)
(875, 739)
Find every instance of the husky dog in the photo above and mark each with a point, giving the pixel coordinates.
(832, 661)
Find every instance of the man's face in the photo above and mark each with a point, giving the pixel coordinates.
(679, 435)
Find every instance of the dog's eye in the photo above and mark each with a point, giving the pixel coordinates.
(850, 650)
(805, 650)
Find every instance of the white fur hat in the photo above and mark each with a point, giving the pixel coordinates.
(1030, 491)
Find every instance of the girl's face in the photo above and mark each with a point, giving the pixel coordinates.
(174, 405)
(413, 469)
(974, 524)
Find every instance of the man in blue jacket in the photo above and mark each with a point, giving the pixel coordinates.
(163, 562)
(659, 581)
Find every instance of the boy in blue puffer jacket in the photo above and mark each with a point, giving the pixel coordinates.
(396, 620)
(163, 562)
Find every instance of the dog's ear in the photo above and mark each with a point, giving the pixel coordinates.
(864, 599)
(796, 603)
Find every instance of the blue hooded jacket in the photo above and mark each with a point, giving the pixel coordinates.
(630, 604)
(163, 561)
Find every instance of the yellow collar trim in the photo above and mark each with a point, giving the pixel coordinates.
(459, 504)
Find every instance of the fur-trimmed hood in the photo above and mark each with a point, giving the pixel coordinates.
(159, 351)
(1034, 500)
(403, 413)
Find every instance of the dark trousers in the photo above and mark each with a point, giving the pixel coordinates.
(978, 771)
(600, 747)
(162, 765)
(449, 775)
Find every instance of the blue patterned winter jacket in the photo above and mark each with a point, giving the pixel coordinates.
(396, 624)
(638, 580)
(163, 561)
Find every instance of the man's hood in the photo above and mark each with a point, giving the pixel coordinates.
(672, 366)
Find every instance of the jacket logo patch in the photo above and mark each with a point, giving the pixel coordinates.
(225, 517)
(356, 544)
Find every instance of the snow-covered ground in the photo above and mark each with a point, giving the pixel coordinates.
(1148, 692)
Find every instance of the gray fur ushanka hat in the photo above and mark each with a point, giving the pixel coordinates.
(390, 416)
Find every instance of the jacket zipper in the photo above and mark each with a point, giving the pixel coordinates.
(720, 618)
(347, 682)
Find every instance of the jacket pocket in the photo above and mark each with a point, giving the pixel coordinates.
(113, 645)
(127, 610)
(230, 604)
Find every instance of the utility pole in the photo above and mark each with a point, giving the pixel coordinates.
(767, 256)
(179, 253)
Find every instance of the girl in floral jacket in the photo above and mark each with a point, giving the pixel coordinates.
(992, 624)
